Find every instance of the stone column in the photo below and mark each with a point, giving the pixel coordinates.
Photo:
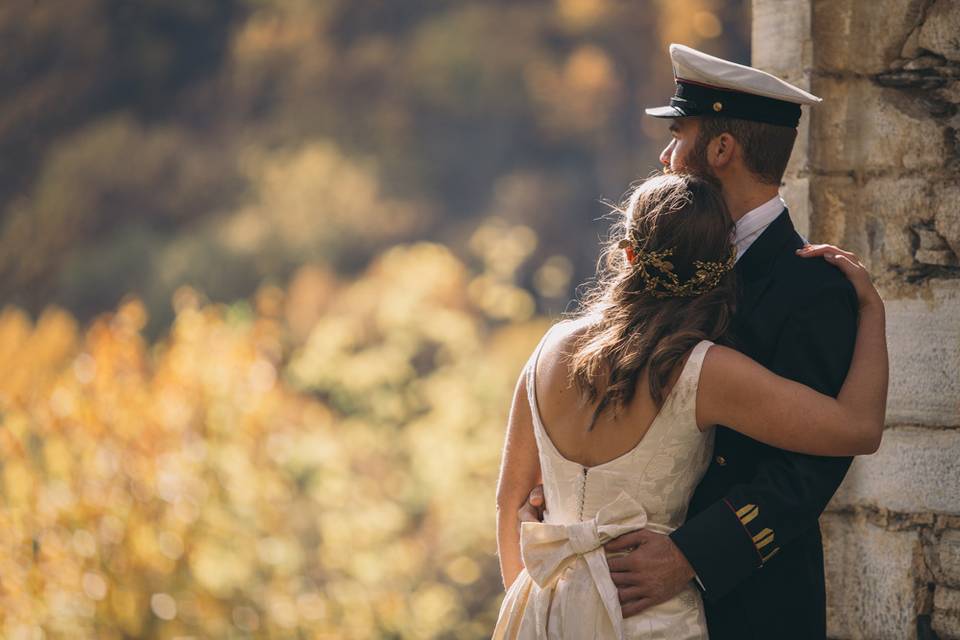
(877, 170)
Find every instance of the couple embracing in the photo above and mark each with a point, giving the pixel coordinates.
(671, 446)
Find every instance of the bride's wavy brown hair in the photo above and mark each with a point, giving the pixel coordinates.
(631, 329)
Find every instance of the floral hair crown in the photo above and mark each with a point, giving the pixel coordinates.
(664, 283)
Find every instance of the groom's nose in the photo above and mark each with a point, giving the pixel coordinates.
(665, 155)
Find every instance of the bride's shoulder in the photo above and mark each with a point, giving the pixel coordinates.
(720, 354)
(564, 333)
(558, 344)
(723, 364)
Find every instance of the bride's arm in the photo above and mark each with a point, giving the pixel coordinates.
(738, 393)
(519, 473)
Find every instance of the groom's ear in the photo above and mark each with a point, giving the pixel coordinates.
(722, 151)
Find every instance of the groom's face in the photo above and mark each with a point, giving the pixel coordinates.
(682, 154)
(683, 135)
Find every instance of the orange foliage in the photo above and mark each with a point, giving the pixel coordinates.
(234, 479)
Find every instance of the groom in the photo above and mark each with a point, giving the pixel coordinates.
(751, 540)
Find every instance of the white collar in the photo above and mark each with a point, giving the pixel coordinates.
(751, 225)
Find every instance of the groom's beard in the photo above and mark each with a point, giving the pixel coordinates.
(696, 164)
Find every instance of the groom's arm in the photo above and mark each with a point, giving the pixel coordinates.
(744, 530)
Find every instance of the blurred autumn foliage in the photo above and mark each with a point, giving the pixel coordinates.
(364, 214)
(317, 464)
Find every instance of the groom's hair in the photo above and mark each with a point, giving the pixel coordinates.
(766, 147)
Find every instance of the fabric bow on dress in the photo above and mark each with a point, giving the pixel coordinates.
(548, 549)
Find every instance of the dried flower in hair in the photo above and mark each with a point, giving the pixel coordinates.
(661, 281)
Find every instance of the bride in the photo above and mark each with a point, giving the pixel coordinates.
(615, 407)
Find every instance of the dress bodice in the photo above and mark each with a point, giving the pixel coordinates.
(661, 471)
(565, 589)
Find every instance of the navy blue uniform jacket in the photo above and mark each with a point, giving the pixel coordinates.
(752, 532)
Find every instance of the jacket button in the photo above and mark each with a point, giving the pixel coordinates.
(721, 461)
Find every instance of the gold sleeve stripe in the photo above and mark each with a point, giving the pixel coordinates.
(771, 554)
(748, 513)
(744, 509)
(762, 539)
(763, 534)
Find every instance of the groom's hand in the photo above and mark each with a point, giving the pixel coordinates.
(652, 572)
(532, 509)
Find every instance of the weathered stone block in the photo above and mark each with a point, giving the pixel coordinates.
(892, 205)
(871, 218)
(865, 37)
(796, 193)
(870, 574)
(836, 203)
(915, 471)
(799, 160)
(933, 248)
(947, 214)
(894, 223)
(780, 37)
(946, 613)
(866, 128)
(938, 32)
(923, 338)
(948, 555)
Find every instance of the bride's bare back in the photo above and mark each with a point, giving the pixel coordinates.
(566, 415)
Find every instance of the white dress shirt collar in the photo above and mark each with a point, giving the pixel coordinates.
(753, 223)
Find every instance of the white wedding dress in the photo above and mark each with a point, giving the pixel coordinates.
(565, 590)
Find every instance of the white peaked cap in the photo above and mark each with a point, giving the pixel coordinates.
(711, 86)
(690, 64)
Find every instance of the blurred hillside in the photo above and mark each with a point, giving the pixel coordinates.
(149, 144)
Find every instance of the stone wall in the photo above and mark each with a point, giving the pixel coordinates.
(877, 170)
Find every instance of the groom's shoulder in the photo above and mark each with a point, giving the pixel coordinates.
(804, 279)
